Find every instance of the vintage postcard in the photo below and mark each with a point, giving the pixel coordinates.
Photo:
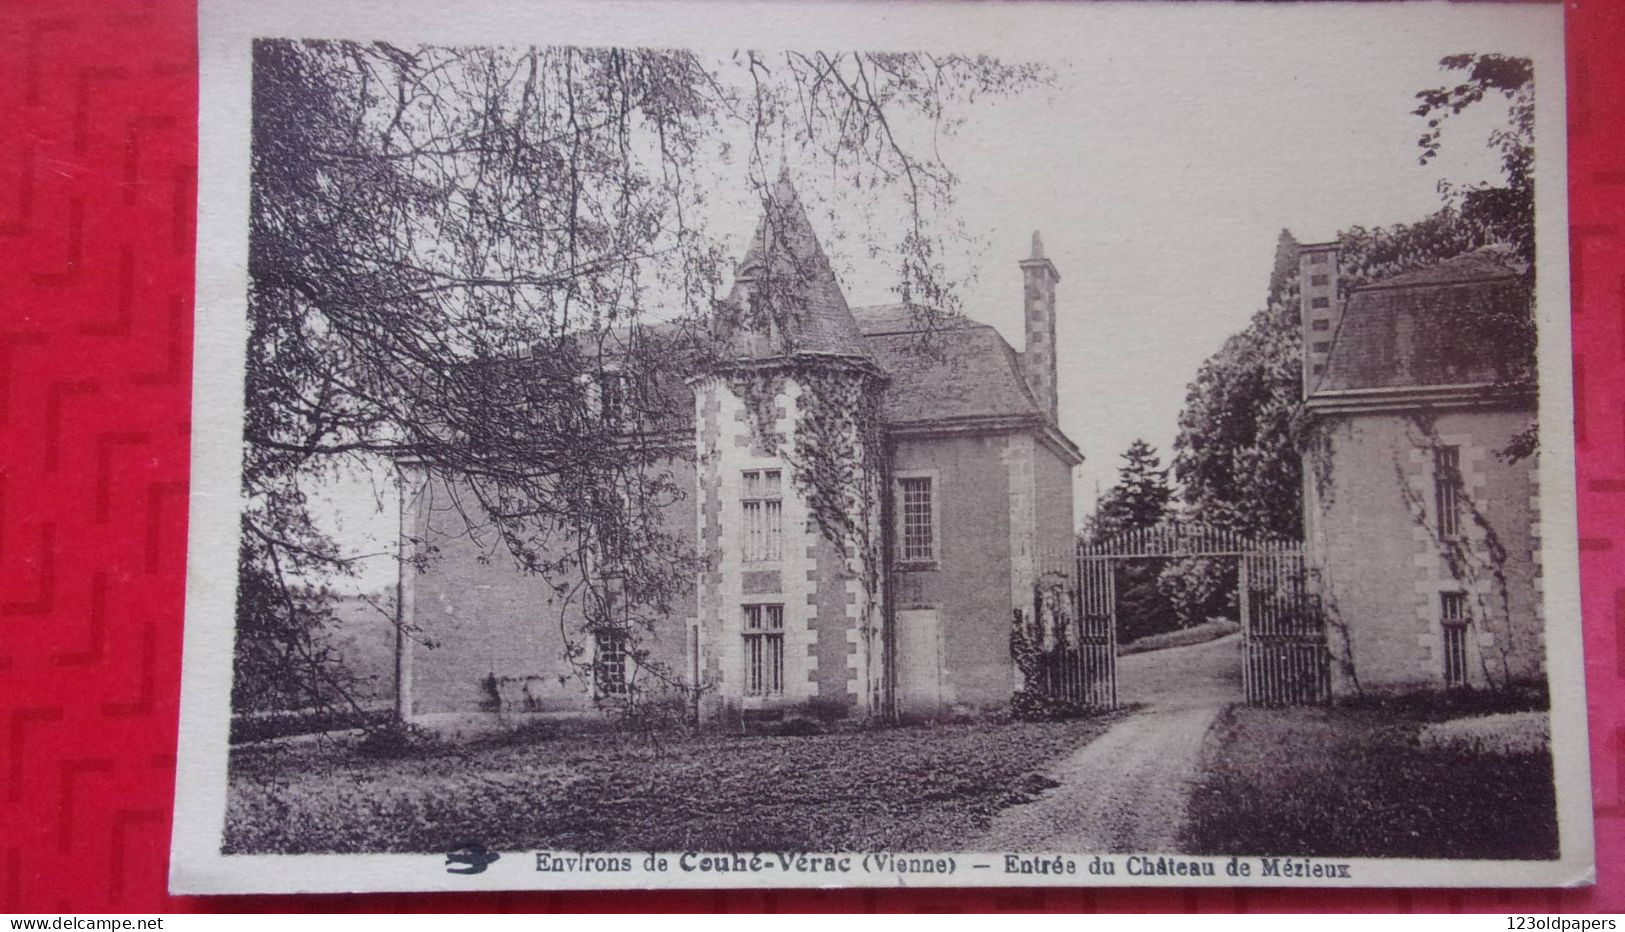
(718, 443)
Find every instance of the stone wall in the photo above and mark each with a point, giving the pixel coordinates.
(1055, 521)
(490, 639)
(824, 603)
(970, 584)
(1373, 530)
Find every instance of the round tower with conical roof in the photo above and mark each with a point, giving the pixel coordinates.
(791, 465)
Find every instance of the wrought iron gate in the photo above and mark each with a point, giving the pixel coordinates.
(1285, 661)
(1096, 602)
(1066, 645)
(1284, 655)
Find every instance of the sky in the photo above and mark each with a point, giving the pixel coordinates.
(1160, 167)
(1160, 183)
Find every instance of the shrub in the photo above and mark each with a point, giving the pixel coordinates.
(1435, 705)
(531, 731)
(1210, 631)
(397, 739)
(1143, 608)
(827, 710)
(1034, 705)
(1198, 588)
(1034, 640)
(264, 726)
(797, 728)
(1504, 735)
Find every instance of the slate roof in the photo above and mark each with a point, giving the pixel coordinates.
(1490, 262)
(785, 267)
(1461, 321)
(961, 371)
(965, 370)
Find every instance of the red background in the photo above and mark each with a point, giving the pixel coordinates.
(98, 169)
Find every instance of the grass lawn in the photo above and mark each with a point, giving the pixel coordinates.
(1355, 782)
(921, 789)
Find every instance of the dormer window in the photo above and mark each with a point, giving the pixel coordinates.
(761, 317)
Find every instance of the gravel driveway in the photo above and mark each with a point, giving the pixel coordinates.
(1126, 791)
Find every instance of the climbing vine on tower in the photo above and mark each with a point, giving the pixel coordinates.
(835, 451)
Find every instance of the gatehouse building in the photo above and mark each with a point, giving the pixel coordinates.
(1421, 479)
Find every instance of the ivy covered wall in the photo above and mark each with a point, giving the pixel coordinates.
(1373, 525)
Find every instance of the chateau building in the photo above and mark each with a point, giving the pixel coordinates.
(895, 599)
(1421, 490)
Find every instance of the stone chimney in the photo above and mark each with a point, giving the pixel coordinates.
(1038, 361)
(1317, 286)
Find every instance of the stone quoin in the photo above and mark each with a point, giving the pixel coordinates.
(972, 500)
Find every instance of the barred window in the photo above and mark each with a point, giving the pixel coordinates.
(1322, 347)
(919, 534)
(609, 662)
(1321, 323)
(1447, 490)
(1317, 258)
(764, 515)
(1453, 620)
(1320, 302)
(1320, 279)
(764, 650)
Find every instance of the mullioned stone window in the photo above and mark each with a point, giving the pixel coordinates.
(764, 649)
(764, 515)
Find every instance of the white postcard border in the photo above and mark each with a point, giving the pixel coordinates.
(226, 29)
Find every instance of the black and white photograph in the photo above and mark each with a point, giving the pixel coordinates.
(725, 444)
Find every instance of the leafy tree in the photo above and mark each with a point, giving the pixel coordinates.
(453, 258)
(1508, 209)
(1236, 454)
